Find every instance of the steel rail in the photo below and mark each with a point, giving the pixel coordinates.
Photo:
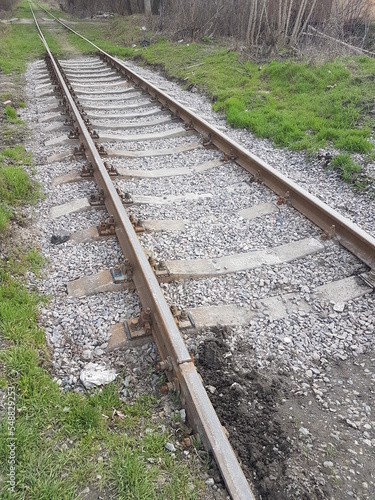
(333, 224)
(168, 338)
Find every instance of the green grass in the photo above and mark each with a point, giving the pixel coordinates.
(299, 105)
(5, 214)
(16, 154)
(11, 114)
(64, 434)
(34, 260)
(16, 187)
(82, 45)
(20, 43)
(18, 312)
(346, 167)
(22, 10)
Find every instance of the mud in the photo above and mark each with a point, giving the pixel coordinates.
(264, 415)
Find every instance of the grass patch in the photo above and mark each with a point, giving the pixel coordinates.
(347, 168)
(20, 43)
(34, 260)
(18, 312)
(11, 115)
(65, 435)
(16, 154)
(16, 187)
(22, 10)
(130, 477)
(5, 214)
(305, 107)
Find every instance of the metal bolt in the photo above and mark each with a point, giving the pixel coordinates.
(173, 386)
(165, 365)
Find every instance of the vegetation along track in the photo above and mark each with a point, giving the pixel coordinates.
(203, 237)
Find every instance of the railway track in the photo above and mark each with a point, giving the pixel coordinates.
(167, 211)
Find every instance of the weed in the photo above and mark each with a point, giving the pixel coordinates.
(11, 114)
(34, 260)
(17, 154)
(175, 397)
(130, 476)
(5, 214)
(330, 451)
(15, 186)
(346, 167)
(17, 312)
(83, 416)
(305, 449)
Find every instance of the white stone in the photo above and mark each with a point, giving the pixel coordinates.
(183, 415)
(86, 354)
(95, 375)
(339, 307)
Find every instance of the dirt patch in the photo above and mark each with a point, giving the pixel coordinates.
(21, 236)
(11, 90)
(292, 442)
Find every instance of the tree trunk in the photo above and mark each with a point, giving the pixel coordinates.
(253, 26)
(308, 17)
(288, 18)
(147, 7)
(297, 23)
(260, 24)
(251, 16)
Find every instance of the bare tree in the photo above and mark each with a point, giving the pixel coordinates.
(264, 25)
(148, 7)
(299, 26)
(5, 4)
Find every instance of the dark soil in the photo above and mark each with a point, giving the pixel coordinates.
(247, 403)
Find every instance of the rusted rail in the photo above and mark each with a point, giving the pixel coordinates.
(329, 220)
(171, 346)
